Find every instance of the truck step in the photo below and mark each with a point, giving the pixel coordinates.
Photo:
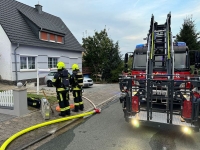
(161, 118)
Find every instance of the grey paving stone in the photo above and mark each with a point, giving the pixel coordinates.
(10, 125)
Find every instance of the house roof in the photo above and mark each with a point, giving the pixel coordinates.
(13, 15)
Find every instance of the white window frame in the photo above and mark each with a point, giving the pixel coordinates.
(57, 57)
(71, 63)
(44, 39)
(62, 40)
(49, 38)
(26, 55)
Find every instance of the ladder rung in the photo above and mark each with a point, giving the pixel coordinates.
(160, 54)
(161, 25)
(159, 31)
(160, 38)
(159, 47)
(160, 42)
(159, 61)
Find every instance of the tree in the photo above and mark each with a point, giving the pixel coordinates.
(101, 54)
(188, 34)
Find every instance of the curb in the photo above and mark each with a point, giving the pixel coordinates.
(111, 99)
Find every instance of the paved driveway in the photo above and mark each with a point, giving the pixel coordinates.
(10, 125)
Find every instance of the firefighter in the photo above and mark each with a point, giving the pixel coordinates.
(61, 82)
(129, 72)
(195, 71)
(76, 82)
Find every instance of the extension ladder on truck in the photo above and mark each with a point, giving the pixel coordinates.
(160, 58)
(157, 89)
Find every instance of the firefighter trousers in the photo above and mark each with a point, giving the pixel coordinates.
(78, 103)
(63, 101)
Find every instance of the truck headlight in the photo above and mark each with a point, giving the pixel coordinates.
(135, 123)
(186, 130)
(134, 92)
(187, 96)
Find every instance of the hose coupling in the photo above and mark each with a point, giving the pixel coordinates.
(97, 110)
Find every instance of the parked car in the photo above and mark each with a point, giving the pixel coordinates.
(87, 82)
(48, 78)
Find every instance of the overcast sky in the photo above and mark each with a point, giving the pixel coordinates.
(127, 21)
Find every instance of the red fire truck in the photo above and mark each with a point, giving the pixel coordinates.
(159, 90)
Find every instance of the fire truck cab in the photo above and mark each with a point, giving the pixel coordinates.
(160, 91)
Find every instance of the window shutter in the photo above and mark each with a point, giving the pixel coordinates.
(43, 36)
(52, 37)
(59, 39)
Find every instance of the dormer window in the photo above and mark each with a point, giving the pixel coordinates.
(59, 39)
(51, 37)
(44, 36)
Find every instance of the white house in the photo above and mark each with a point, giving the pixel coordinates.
(31, 38)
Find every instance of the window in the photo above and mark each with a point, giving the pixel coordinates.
(180, 60)
(159, 63)
(52, 62)
(59, 39)
(52, 37)
(51, 73)
(139, 60)
(44, 36)
(27, 62)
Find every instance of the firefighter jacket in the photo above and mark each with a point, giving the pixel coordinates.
(76, 80)
(61, 80)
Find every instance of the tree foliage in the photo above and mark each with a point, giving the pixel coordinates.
(189, 34)
(102, 55)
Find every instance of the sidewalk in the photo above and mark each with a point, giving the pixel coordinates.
(10, 125)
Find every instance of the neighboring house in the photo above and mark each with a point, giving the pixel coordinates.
(31, 38)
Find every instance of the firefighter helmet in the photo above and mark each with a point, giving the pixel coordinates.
(75, 67)
(60, 65)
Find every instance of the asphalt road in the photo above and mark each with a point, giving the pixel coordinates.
(109, 131)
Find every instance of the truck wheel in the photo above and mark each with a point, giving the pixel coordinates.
(121, 100)
(126, 116)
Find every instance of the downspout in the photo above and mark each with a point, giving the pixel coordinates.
(16, 62)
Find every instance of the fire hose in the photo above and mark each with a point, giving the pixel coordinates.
(13, 137)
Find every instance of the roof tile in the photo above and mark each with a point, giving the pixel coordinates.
(18, 30)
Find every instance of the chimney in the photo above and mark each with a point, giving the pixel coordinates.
(38, 7)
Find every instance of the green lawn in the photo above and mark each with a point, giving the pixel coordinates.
(52, 99)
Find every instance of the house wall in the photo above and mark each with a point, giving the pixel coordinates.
(5, 56)
(41, 55)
